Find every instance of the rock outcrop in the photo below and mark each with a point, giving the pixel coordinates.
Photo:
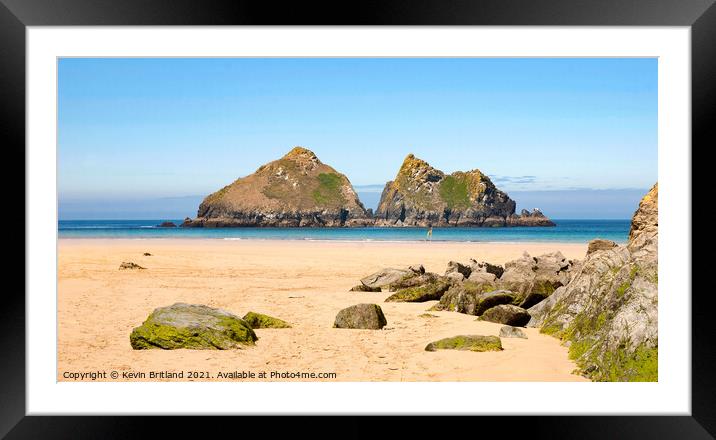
(192, 326)
(423, 196)
(467, 342)
(296, 190)
(128, 265)
(607, 313)
(361, 316)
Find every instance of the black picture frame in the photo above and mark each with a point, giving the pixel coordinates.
(16, 15)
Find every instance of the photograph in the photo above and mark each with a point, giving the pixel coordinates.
(357, 219)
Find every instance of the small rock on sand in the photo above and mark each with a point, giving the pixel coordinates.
(508, 331)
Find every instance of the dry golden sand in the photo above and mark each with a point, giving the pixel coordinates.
(305, 283)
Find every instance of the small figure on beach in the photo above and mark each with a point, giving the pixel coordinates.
(430, 233)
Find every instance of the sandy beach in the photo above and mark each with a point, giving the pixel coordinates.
(303, 282)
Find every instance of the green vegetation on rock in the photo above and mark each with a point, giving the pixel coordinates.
(453, 190)
(427, 292)
(329, 189)
(467, 342)
(259, 320)
(361, 316)
(192, 326)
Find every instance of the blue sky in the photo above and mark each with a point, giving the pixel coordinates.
(160, 129)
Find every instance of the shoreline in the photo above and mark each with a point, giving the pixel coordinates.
(319, 240)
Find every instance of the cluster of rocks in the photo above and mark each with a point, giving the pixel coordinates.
(490, 291)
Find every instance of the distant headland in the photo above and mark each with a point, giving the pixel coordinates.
(298, 190)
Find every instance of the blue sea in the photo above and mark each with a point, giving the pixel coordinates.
(574, 231)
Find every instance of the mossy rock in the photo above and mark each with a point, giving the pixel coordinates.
(363, 288)
(192, 326)
(474, 298)
(467, 343)
(428, 292)
(413, 279)
(259, 320)
(507, 314)
(428, 315)
(361, 316)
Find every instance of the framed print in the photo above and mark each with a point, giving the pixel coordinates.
(454, 207)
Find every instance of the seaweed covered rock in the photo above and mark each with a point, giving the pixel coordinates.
(361, 316)
(507, 331)
(467, 342)
(506, 314)
(427, 292)
(474, 298)
(415, 280)
(608, 311)
(259, 320)
(192, 326)
(364, 288)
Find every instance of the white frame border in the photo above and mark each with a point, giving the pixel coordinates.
(671, 395)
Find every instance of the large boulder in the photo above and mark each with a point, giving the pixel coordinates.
(414, 279)
(386, 276)
(607, 313)
(506, 314)
(259, 320)
(192, 326)
(361, 316)
(427, 292)
(467, 342)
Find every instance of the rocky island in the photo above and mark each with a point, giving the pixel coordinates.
(299, 190)
(423, 196)
(294, 191)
